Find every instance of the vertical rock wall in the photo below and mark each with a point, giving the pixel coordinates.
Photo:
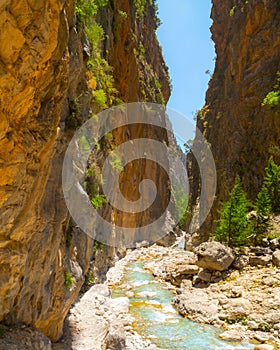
(42, 70)
(242, 133)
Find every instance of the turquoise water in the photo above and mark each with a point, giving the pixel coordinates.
(157, 320)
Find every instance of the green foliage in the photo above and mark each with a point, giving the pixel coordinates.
(83, 143)
(69, 280)
(97, 246)
(156, 10)
(232, 11)
(272, 184)
(89, 278)
(272, 99)
(116, 162)
(122, 14)
(85, 9)
(233, 224)
(100, 79)
(95, 34)
(273, 235)
(75, 119)
(260, 223)
(100, 98)
(98, 200)
(181, 203)
(141, 51)
(140, 8)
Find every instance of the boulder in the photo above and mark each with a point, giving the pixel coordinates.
(276, 258)
(260, 250)
(214, 256)
(240, 262)
(260, 260)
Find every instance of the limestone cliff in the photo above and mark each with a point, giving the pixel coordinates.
(44, 94)
(242, 133)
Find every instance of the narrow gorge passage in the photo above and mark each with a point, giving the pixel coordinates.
(108, 276)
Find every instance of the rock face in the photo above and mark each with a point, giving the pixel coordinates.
(214, 256)
(34, 83)
(43, 260)
(242, 133)
(276, 258)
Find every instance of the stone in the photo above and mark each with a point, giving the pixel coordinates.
(274, 243)
(276, 258)
(214, 256)
(119, 305)
(100, 289)
(240, 262)
(264, 347)
(114, 341)
(262, 260)
(232, 334)
(252, 325)
(260, 250)
(205, 275)
(236, 292)
(23, 338)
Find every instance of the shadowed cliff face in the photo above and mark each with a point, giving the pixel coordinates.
(242, 133)
(42, 71)
(34, 82)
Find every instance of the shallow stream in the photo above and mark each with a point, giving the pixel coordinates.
(157, 319)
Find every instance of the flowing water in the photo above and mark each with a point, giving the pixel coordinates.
(157, 320)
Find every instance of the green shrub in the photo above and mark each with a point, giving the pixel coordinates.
(139, 7)
(232, 11)
(75, 118)
(116, 162)
(85, 9)
(122, 14)
(69, 280)
(97, 246)
(98, 200)
(272, 99)
(100, 98)
(83, 143)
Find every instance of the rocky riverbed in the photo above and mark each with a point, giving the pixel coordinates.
(244, 301)
(211, 285)
(214, 288)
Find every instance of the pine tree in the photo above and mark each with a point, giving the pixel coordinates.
(233, 224)
(272, 183)
(263, 211)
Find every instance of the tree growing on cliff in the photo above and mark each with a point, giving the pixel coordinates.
(233, 224)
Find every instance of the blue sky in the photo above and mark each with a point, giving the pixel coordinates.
(188, 51)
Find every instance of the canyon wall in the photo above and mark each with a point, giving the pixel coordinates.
(242, 132)
(43, 58)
